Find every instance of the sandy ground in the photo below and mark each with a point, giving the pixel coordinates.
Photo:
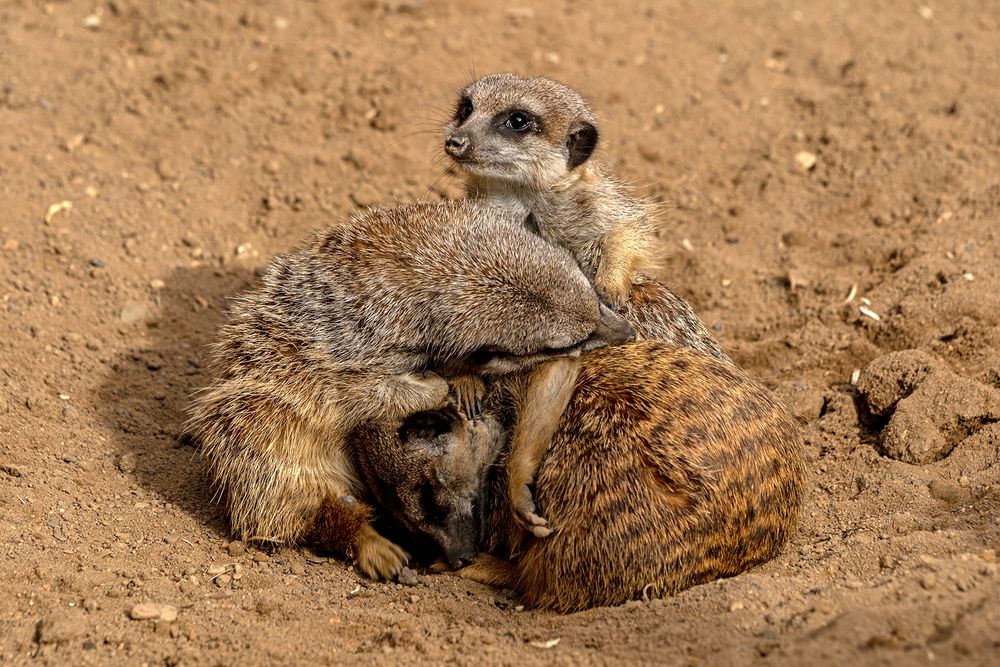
(193, 140)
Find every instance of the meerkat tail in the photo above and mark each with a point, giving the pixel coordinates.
(490, 571)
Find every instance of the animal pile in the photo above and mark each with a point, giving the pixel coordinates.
(495, 381)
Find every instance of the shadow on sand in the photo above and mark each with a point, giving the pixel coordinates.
(144, 399)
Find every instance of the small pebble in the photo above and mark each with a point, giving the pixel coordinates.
(223, 580)
(126, 463)
(148, 611)
(408, 577)
(134, 311)
(805, 160)
(236, 548)
(70, 459)
(298, 570)
(96, 263)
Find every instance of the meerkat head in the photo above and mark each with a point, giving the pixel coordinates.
(523, 133)
(429, 473)
(528, 299)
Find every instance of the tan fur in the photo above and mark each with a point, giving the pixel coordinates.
(347, 329)
(669, 468)
(540, 406)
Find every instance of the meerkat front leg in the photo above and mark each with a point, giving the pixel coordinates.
(541, 404)
(407, 393)
(620, 252)
(343, 526)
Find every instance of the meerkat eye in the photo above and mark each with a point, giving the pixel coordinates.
(519, 121)
(465, 109)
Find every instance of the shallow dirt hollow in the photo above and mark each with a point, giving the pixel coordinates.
(830, 183)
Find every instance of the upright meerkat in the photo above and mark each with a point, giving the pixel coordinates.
(527, 144)
(349, 328)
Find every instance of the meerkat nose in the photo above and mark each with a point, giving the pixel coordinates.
(457, 146)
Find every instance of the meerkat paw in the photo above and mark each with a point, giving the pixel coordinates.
(613, 286)
(613, 297)
(421, 391)
(526, 514)
(468, 392)
(380, 558)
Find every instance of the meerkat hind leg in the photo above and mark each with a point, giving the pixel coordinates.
(541, 405)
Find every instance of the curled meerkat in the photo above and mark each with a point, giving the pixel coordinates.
(351, 327)
(668, 468)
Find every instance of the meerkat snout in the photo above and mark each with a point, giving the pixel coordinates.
(612, 330)
(458, 146)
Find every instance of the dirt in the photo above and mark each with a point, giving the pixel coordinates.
(830, 182)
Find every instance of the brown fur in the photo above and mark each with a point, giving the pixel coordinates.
(348, 329)
(428, 473)
(669, 468)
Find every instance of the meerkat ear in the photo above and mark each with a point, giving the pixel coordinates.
(423, 430)
(581, 143)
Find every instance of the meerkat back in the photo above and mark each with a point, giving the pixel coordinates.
(669, 468)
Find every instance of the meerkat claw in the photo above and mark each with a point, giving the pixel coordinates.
(526, 515)
(468, 391)
(380, 558)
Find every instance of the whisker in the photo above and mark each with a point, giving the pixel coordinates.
(408, 136)
(433, 185)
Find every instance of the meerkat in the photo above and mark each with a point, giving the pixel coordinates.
(428, 473)
(527, 144)
(352, 327)
(668, 468)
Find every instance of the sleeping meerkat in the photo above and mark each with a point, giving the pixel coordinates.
(352, 327)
